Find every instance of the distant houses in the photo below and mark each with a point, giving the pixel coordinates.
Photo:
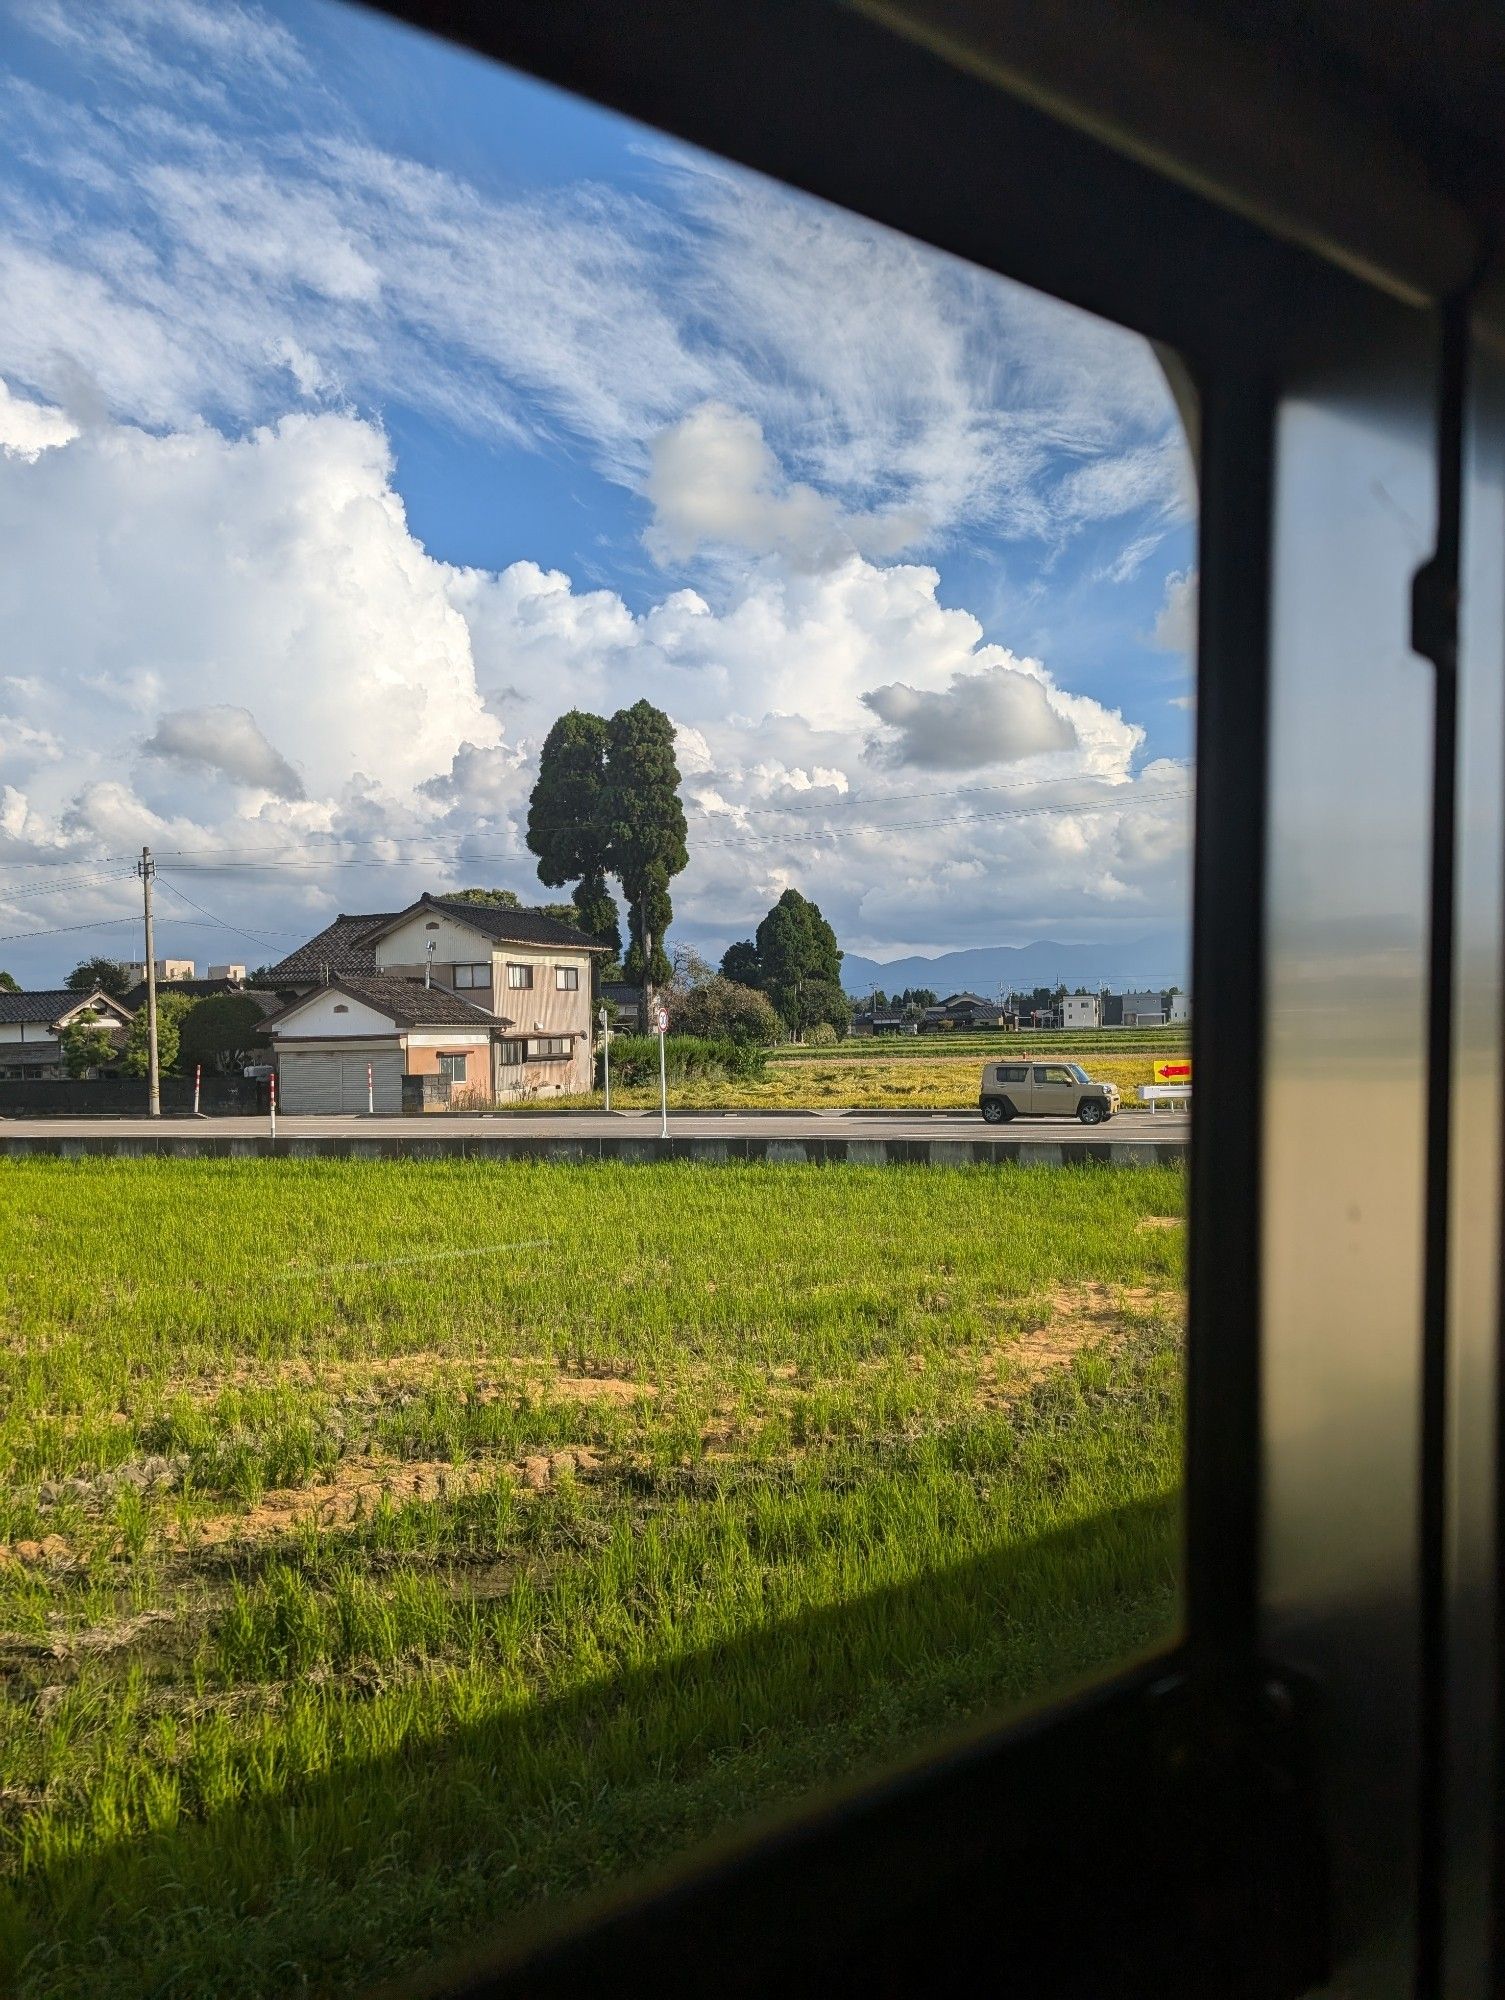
(32, 1025)
(1067, 1011)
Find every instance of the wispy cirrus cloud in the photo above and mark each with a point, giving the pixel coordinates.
(195, 261)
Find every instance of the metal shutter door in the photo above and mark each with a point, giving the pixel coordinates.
(308, 1080)
(386, 1081)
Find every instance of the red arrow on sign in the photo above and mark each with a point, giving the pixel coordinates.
(1173, 1070)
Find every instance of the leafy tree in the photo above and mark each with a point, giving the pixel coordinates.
(86, 1045)
(496, 899)
(569, 820)
(739, 963)
(647, 830)
(720, 1010)
(8, 984)
(508, 899)
(136, 1058)
(800, 962)
(917, 996)
(222, 1031)
(109, 975)
(823, 1001)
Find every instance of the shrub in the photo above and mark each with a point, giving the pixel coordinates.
(821, 1036)
(720, 1010)
(634, 1059)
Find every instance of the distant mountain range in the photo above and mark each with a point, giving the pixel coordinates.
(1127, 965)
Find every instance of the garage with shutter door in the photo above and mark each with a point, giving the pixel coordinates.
(325, 1039)
(332, 1080)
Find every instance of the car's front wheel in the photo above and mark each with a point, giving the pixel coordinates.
(1092, 1111)
(993, 1112)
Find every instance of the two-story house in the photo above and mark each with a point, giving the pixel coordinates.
(497, 1002)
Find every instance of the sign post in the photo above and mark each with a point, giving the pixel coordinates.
(661, 1028)
(606, 1056)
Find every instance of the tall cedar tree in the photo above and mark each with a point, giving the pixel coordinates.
(739, 963)
(648, 829)
(569, 821)
(799, 963)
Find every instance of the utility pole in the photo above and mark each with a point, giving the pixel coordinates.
(146, 868)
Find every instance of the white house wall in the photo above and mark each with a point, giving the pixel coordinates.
(331, 1012)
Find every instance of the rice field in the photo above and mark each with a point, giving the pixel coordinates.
(388, 1549)
(831, 1078)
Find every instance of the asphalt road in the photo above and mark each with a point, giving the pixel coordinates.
(1163, 1128)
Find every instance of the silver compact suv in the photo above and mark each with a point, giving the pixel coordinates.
(1044, 1090)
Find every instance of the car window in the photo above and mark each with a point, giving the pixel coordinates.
(1052, 1073)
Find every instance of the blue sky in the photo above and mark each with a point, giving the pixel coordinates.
(366, 405)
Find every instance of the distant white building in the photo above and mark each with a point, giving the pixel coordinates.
(1082, 1010)
(1180, 1007)
(167, 968)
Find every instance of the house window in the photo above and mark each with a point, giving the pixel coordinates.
(453, 1068)
(519, 976)
(512, 1055)
(567, 978)
(340, 1007)
(549, 1048)
(468, 976)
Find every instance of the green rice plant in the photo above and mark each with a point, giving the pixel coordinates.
(519, 1525)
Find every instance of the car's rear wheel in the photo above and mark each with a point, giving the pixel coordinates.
(1092, 1111)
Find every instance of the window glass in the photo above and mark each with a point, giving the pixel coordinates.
(399, 462)
(566, 978)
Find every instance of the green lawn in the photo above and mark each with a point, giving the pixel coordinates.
(386, 1548)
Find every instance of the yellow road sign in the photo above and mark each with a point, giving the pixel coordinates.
(1175, 1069)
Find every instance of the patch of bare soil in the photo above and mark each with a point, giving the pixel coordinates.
(1084, 1318)
(415, 1374)
(359, 1484)
(95, 1639)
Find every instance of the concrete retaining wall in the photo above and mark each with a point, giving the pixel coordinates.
(871, 1150)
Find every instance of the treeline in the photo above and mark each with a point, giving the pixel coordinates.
(221, 1031)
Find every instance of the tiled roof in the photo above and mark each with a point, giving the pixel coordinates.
(333, 951)
(408, 1002)
(43, 1005)
(347, 945)
(505, 926)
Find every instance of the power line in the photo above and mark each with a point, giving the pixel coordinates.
(260, 941)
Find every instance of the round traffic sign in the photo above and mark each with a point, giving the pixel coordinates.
(662, 1020)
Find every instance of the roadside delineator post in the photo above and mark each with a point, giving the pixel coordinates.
(198, 1077)
(606, 1055)
(661, 1027)
(273, 1100)
(370, 1093)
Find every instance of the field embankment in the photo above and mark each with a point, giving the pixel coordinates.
(384, 1547)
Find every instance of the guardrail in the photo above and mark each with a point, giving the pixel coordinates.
(1170, 1093)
